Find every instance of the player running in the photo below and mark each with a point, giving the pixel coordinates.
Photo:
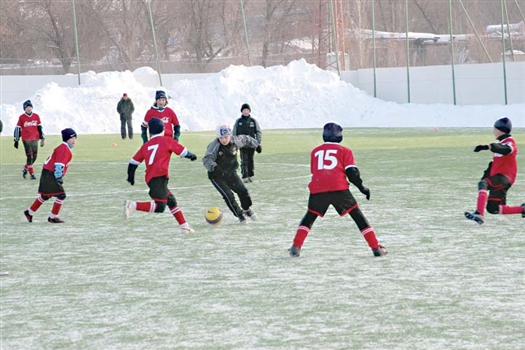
(157, 154)
(500, 175)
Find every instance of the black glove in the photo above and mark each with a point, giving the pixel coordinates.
(217, 171)
(191, 156)
(60, 181)
(131, 180)
(16, 144)
(481, 148)
(258, 149)
(366, 191)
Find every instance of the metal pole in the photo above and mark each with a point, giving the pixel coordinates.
(154, 41)
(452, 51)
(503, 51)
(76, 40)
(475, 31)
(334, 29)
(508, 31)
(519, 9)
(374, 46)
(408, 50)
(246, 33)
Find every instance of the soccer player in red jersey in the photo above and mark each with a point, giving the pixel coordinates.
(500, 175)
(331, 164)
(29, 129)
(167, 115)
(52, 178)
(157, 155)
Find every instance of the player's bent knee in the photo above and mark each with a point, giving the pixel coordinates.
(483, 185)
(493, 207)
(172, 202)
(62, 196)
(160, 207)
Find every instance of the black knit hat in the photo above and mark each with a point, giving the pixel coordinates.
(332, 132)
(67, 134)
(155, 126)
(160, 94)
(504, 124)
(244, 106)
(28, 104)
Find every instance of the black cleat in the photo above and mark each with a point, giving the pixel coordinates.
(523, 214)
(294, 251)
(29, 217)
(475, 216)
(56, 220)
(32, 177)
(24, 173)
(381, 251)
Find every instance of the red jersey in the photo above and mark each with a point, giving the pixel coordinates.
(157, 154)
(61, 155)
(506, 164)
(28, 125)
(328, 163)
(168, 117)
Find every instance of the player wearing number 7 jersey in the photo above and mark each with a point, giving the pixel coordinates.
(157, 154)
(331, 164)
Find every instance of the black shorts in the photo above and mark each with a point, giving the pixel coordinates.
(343, 202)
(498, 185)
(48, 184)
(31, 147)
(158, 189)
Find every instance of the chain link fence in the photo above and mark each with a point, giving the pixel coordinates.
(50, 37)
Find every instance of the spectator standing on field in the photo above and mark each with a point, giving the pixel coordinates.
(126, 108)
(29, 129)
(500, 175)
(157, 154)
(1, 126)
(221, 162)
(247, 125)
(332, 166)
(52, 178)
(167, 115)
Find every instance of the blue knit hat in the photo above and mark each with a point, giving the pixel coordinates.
(160, 94)
(504, 124)
(67, 134)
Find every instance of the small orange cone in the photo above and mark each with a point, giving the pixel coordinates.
(114, 144)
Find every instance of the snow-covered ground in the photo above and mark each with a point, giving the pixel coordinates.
(299, 95)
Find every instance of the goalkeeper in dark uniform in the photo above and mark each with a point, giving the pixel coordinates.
(247, 125)
(221, 162)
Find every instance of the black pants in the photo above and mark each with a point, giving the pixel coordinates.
(227, 184)
(123, 122)
(247, 162)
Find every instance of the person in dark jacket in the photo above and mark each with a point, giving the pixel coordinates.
(247, 125)
(126, 108)
(221, 162)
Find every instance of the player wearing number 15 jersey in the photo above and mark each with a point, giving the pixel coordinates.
(331, 164)
(157, 154)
